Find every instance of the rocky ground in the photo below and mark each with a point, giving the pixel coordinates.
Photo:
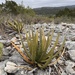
(12, 63)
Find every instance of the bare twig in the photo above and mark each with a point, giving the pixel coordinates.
(25, 67)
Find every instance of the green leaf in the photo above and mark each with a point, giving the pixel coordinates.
(48, 60)
(24, 47)
(36, 45)
(43, 41)
(48, 42)
(39, 51)
(1, 47)
(52, 49)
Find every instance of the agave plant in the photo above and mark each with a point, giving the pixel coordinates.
(16, 25)
(1, 47)
(38, 48)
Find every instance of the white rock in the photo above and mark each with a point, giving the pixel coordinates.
(69, 62)
(72, 54)
(2, 65)
(52, 27)
(69, 68)
(2, 72)
(41, 72)
(70, 45)
(5, 41)
(17, 58)
(14, 39)
(62, 23)
(17, 43)
(63, 73)
(73, 26)
(0, 37)
(44, 24)
(17, 36)
(10, 67)
(58, 28)
(8, 48)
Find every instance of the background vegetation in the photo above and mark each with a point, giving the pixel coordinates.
(11, 10)
(60, 14)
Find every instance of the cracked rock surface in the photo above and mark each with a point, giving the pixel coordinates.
(12, 63)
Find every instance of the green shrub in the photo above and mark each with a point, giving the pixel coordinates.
(38, 48)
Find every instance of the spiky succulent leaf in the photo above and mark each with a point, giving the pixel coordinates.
(24, 47)
(40, 44)
(49, 39)
(53, 48)
(1, 47)
(48, 42)
(36, 45)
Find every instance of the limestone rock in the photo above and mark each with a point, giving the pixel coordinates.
(72, 54)
(10, 67)
(69, 68)
(70, 45)
(2, 72)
